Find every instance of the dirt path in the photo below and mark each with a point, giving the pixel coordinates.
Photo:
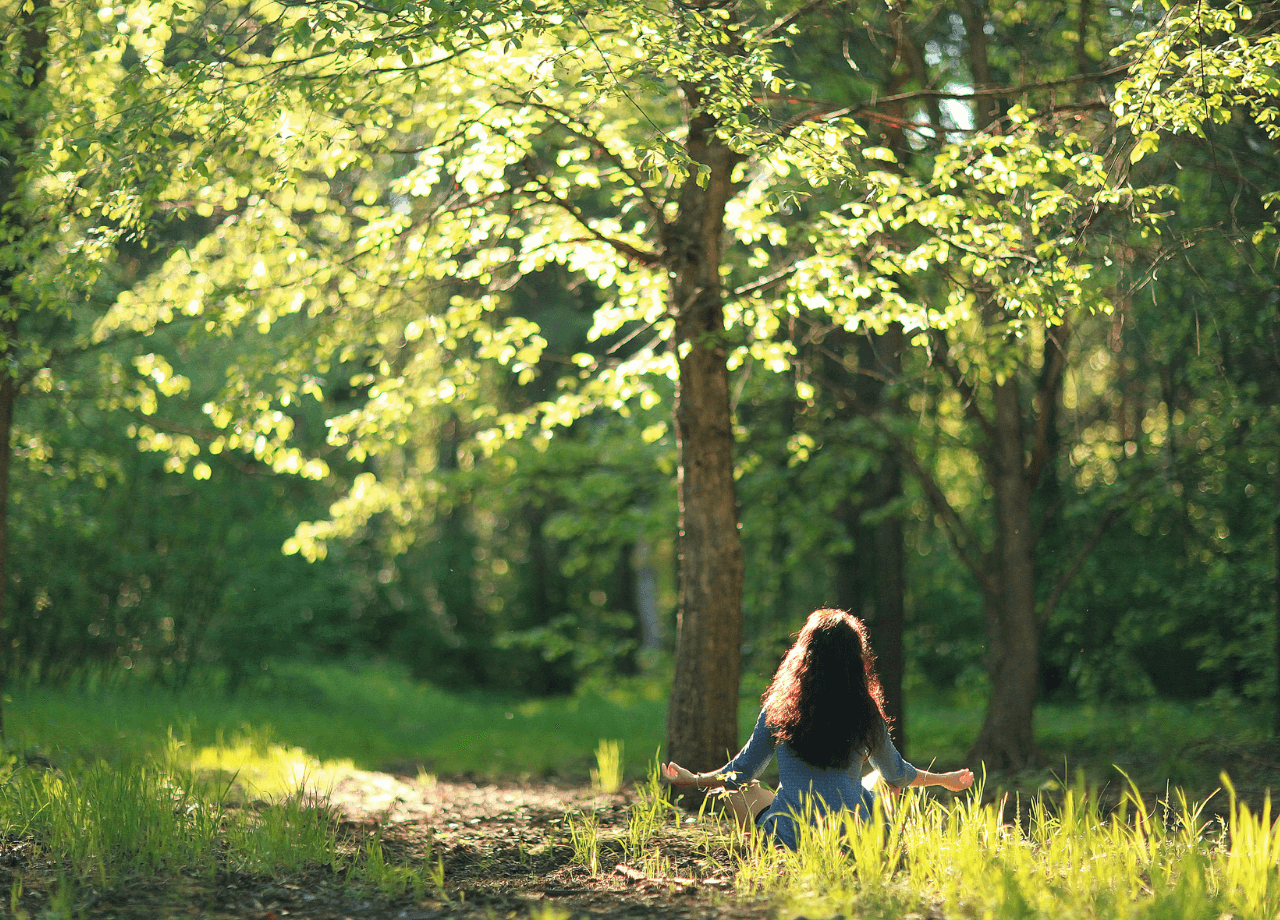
(506, 850)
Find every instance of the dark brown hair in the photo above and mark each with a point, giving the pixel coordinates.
(825, 700)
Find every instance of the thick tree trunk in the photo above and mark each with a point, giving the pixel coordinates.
(1007, 740)
(702, 716)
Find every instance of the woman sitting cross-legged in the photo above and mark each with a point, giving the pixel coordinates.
(823, 715)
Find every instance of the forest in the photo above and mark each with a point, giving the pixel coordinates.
(523, 350)
(509, 344)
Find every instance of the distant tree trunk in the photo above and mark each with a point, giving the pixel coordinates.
(890, 618)
(1006, 739)
(453, 566)
(890, 587)
(1276, 725)
(18, 133)
(870, 582)
(873, 587)
(647, 598)
(974, 15)
(622, 597)
(702, 716)
(8, 396)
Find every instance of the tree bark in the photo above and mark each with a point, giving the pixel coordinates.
(1276, 529)
(702, 715)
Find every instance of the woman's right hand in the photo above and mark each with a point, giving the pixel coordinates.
(677, 775)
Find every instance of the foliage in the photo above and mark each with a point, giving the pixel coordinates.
(385, 284)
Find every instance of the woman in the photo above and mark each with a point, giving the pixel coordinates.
(823, 715)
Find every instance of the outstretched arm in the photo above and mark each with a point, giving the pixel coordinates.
(956, 780)
(747, 764)
(677, 775)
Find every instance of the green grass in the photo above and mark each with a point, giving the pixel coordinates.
(373, 718)
(152, 785)
(1069, 860)
(1067, 856)
(369, 716)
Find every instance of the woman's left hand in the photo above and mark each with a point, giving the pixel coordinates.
(956, 781)
(677, 775)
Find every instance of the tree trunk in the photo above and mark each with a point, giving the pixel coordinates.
(702, 716)
(974, 15)
(890, 606)
(31, 70)
(870, 582)
(1276, 725)
(1006, 740)
(890, 586)
(8, 396)
(622, 598)
(647, 598)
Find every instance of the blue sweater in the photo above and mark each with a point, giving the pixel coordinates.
(801, 784)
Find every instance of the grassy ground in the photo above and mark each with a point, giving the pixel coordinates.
(135, 802)
(369, 716)
(375, 718)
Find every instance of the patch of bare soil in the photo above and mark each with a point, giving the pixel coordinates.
(507, 851)
(505, 848)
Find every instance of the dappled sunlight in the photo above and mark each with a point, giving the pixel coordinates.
(251, 766)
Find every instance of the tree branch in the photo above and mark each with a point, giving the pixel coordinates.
(997, 92)
(1113, 513)
(1051, 603)
(565, 122)
(624, 249)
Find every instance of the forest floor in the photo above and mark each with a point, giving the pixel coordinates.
(506, 850)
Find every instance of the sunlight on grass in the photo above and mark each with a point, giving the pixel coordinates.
(1038, 859)
(252, 766)
(606, 775)
(372, 716)
(249, 805)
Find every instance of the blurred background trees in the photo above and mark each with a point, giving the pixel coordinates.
(401, 293)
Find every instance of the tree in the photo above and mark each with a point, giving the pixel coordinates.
(71, 190)
(1200, 68)
(672, 161)
(480, 189)
(107, 113)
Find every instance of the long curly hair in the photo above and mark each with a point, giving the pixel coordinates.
(825, 699)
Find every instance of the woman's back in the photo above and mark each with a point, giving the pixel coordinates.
(804, 788)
